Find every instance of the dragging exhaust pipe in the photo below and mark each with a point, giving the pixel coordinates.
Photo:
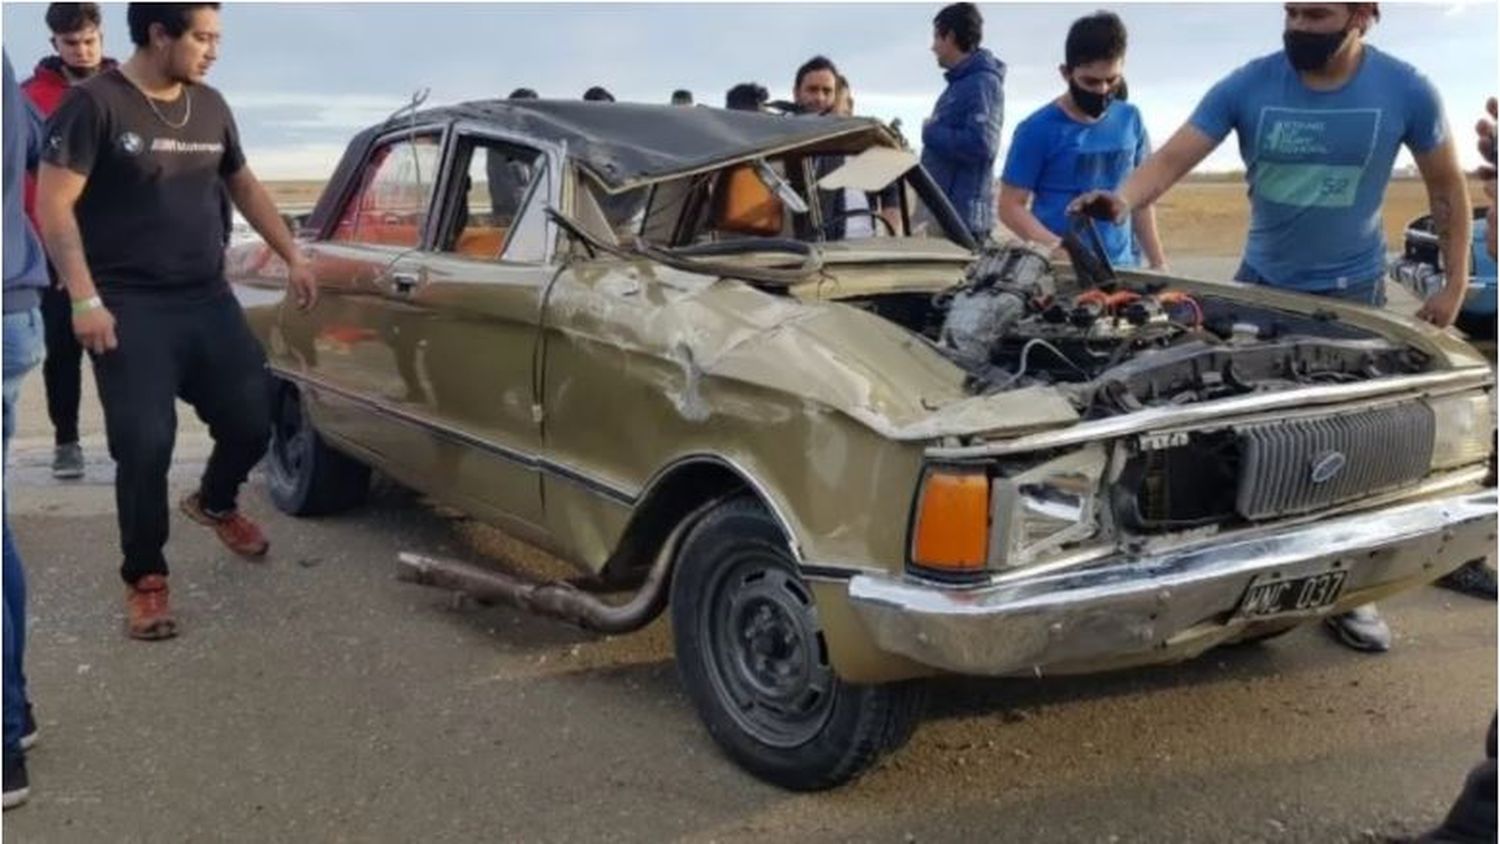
(553, 598)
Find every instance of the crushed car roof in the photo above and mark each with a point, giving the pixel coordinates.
(624, 144)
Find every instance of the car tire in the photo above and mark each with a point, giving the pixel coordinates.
(751, 654)
(1476, 327)
(305, 477)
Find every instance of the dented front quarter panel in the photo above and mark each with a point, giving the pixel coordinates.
(646, 367)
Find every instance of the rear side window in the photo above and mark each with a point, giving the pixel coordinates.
(395, 191)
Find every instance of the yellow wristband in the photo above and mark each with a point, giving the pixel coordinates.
(83, 306)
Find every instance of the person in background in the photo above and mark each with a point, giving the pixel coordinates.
(747, 96)
(129, 195)
(961, 139)
(79, 41)
(682, 97)
(508, 176)
(598, 94)
(843, 98)
(1319, 125)
(815, 86)
(25, 280)
(1083, 140)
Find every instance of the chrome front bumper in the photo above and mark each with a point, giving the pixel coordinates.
(1149, 608)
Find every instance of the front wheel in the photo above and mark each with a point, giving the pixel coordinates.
(304, 476)
(753, 658)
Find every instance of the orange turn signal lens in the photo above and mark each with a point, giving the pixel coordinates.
(952, 528)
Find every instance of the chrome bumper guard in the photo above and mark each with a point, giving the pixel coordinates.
(1134, 605)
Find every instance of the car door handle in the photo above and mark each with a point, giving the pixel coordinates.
(404, 283)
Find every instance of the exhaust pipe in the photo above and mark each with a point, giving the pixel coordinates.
(553, 598)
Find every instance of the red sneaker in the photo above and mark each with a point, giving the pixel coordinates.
(147, 615)
(235, 529)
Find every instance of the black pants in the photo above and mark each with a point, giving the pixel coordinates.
(197, 349)
(63, 367)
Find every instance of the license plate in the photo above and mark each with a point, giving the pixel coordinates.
(1271, 595)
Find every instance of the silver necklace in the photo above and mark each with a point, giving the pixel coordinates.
(187, 94)
(187, 115)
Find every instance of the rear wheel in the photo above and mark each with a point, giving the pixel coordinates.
(752, 655)
(304, 476)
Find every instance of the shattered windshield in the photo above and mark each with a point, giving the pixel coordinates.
(826, 198)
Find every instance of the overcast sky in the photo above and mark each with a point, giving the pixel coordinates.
(302, 77)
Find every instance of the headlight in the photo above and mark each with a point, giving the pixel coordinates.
(1045, 506)
(1463, 429)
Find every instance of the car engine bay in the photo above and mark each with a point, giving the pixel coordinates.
(1115, 346)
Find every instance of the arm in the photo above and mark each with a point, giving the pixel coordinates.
(259, 210)
(1015, 213)
(1182, 152)
(1143, 221)
(1452, 219)
(976, 138)
(58, 189)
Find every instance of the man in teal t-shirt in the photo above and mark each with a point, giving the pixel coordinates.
(1319, 125)
(1087, 139)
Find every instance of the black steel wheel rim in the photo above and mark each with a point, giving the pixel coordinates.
(291, 441)
(765, 651)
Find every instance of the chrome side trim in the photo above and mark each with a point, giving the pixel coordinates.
(608, 489)
(761, 490)
(1407, 386)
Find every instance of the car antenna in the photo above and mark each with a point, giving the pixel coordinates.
(418, 97)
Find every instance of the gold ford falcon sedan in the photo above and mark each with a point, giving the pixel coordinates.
(751, 369)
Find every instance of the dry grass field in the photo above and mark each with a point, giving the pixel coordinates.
(1199, 218)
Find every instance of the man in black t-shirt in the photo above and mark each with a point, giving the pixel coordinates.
(135, 165)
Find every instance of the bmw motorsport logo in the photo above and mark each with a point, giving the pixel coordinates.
(131, 143)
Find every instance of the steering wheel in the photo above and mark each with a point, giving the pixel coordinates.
(890, 230)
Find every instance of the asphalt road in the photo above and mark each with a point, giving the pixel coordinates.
(314, 698)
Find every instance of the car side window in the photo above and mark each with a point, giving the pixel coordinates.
(491, 216)
(395, 189)
(528, 235)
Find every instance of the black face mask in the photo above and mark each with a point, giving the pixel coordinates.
(1089, 102)
(1308, 51)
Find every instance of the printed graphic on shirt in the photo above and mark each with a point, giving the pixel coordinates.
(1313, 158)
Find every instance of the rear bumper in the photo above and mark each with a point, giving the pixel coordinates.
(1135, 609)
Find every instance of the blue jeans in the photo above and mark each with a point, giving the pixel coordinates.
(1365, 293)
(23, 350)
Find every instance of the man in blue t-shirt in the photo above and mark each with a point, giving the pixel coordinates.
(1087, 139)
(1319, 125)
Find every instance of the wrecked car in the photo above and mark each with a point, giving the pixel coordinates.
(842, 457)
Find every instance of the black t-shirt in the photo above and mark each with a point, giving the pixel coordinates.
(152, 213)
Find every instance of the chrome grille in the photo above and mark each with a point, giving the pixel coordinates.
(1299, 465)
